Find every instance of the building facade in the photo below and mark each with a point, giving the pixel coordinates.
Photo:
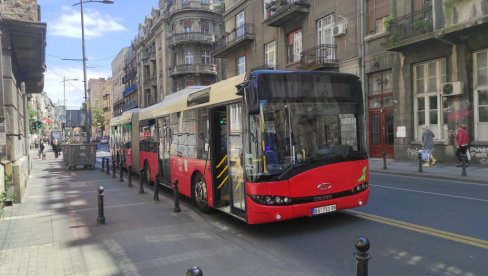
(97, 90)
(21, 74)
(117, 81)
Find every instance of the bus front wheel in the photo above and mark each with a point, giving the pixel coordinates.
(200, 196)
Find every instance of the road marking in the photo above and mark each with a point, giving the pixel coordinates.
(423, 229)
(430, 193)
(431, 178)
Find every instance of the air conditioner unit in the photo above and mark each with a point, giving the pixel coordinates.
(452, 88)
(339, 29)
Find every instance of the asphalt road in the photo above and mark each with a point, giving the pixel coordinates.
(416, 226)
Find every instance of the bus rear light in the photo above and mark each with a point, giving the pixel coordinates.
(271, 200)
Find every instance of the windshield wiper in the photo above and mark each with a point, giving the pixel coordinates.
(294, 166)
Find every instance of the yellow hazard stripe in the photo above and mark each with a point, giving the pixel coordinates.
(223, 171)
(222, 161)
(223, 182)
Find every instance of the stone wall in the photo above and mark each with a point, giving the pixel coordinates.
(26, 10)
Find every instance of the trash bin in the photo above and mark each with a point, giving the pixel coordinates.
(79, 155)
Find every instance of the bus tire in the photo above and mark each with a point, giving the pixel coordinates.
(147, 173)
(199, 193)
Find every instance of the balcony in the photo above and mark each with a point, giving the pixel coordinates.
(237, 38)
(129, 75)
(410, 28)
(129, 105)
(193, 69)
(129, 90)
(180, 6)
(183, 38)
(281, 12)
(323, 56)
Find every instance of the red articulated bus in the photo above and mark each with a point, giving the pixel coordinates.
(124, 139)
(273, 146)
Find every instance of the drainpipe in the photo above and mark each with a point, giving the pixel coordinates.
(362, 65)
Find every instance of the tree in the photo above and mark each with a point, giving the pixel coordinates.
(33, 122)
(97, 115)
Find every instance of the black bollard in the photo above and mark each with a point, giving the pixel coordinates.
(176, 197)
(194, 271)
(141, 180)
(156, 188)
(103, 164)
(463, 164)
(362, 256)
(121, 179)
(108, 166)
(384, 161)
(420, 161)
(113, 169)
(130, 176)
(101, 217)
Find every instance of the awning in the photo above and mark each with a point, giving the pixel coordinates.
(28, 45)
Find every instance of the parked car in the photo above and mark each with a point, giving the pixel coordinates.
(104, 140)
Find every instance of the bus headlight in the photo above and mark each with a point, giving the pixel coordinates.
(270, 199)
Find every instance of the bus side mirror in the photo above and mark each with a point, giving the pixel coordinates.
(251, 100)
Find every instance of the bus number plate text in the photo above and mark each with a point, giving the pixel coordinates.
(323, 209)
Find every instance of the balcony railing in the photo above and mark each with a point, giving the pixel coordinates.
(280, 12)
(129, 90)
(194, 37)
(179, 6)
(193, 69)
(320, 56)
(411, 25)
(237, 37)
(129, 75)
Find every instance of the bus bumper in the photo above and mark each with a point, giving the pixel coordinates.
(258, 213)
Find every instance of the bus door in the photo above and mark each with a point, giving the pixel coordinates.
(164, 150)
(218, 149)
(235, 159)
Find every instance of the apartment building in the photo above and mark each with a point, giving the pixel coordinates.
(118, 86)
(439, 75)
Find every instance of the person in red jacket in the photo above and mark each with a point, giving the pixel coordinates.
(462, 143)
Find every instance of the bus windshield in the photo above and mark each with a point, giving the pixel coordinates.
(288, 134)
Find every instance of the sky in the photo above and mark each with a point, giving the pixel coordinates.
(108, 28)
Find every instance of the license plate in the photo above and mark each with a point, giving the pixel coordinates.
(323, 209)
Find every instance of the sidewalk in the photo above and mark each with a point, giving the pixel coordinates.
(476, 173)
(55, 232)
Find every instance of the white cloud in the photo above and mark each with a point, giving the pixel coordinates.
(96, 24)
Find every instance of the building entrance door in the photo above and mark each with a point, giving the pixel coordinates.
(381, 112)
(381, 133)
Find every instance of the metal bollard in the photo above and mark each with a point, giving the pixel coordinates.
(103, 164)
(113, 169)
(420, 162)
(463, 164)
(194, 271)
(101, 217)
(130, 176)
(121, 179)
(108, 166)
(176, 197)
(384, 161)
(141, 180)
(156, 188)
(362, 256)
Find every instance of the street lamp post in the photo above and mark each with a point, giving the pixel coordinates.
(87, 116)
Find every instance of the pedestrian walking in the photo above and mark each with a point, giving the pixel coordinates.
(462, 143)
(428, 145)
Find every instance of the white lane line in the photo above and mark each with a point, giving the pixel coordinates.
(430, 193)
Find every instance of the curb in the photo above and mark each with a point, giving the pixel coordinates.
(436, 176)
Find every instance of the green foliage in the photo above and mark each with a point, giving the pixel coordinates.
(97, 115)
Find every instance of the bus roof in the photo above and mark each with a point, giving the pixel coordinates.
(219, 92)
(126, 117)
